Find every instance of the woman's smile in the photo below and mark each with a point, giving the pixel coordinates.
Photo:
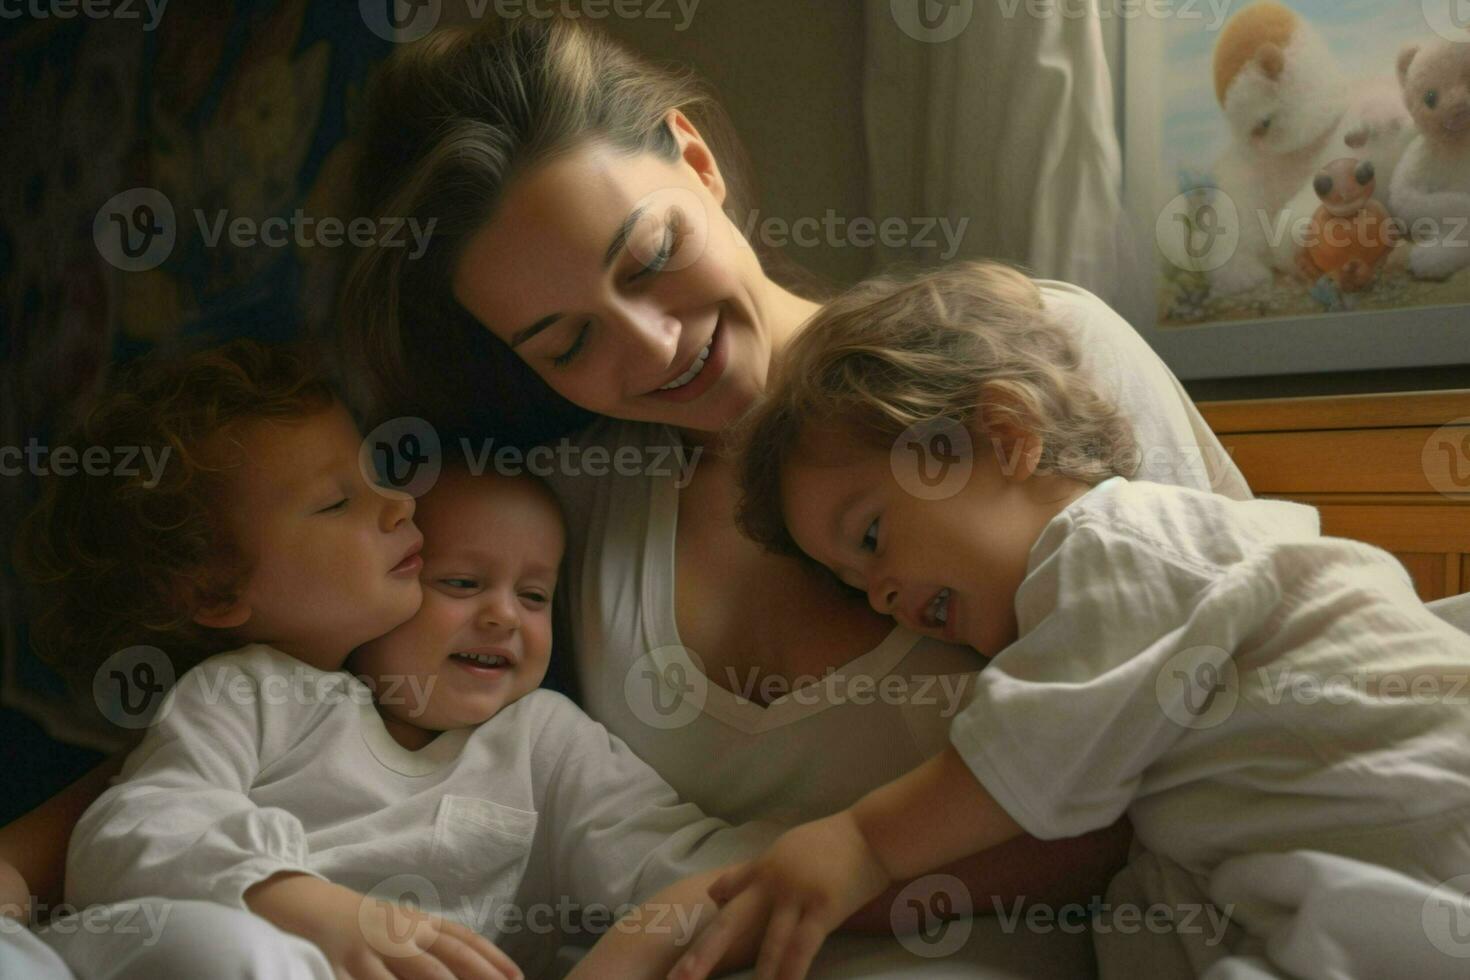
(703, 371)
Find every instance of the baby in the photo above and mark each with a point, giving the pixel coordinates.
(406, 815)
(1276, 712)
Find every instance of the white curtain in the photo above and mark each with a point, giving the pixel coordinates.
(1009, 123)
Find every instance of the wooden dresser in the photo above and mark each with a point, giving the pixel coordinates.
(1392, 470)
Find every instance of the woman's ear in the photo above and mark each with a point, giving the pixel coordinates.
(696, 153)
(224, 615)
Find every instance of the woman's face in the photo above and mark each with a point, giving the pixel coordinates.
(622, 283)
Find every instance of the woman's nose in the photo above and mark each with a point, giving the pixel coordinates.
(650, 336)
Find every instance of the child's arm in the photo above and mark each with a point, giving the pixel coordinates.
(33, 847)
(820, 873)
(368, 937)
(648, 941)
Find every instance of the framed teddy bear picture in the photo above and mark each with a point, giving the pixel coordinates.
(1298, 173)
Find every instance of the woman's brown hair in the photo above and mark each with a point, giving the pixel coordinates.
(451, 119)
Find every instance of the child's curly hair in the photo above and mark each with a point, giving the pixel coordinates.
(119, 560)
(897, 351)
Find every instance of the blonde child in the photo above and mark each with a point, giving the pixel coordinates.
(1250, 693)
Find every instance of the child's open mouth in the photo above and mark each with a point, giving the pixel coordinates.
(937, 613)
(484, 664)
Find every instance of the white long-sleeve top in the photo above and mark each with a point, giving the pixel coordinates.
(259, 764)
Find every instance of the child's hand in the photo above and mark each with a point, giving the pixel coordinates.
(15, 894)
(363, 937)
(806, 885)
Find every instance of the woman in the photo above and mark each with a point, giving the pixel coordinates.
(587, 270)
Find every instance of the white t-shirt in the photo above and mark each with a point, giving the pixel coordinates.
(1234, 681)
(817, 749)
(527, 828)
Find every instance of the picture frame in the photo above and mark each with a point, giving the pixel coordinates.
(1174, 130)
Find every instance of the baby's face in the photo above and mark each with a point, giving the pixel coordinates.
(482, 637)
(946, 568)
(333, 559)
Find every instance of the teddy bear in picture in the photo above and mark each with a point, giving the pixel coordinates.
(1430, 193)
(1292, 110)
(1352, 233)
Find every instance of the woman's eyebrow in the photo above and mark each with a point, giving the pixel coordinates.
(620, 239)
(521, 336)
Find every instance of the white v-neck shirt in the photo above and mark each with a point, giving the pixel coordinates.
(814, 750)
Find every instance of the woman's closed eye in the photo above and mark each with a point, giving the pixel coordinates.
(672, 236)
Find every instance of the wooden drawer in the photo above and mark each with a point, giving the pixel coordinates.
(1392, 470)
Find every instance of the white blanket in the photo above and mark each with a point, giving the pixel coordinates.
(1303, 914)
